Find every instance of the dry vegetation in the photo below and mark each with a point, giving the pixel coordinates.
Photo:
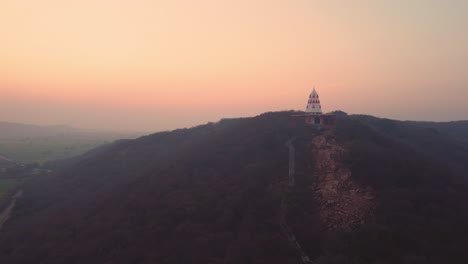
(213, 194)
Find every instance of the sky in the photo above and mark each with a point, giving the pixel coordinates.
(150, 65)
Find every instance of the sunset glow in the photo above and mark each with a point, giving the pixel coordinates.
(155, 65)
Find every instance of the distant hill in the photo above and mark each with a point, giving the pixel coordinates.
(456, 129)
(446, 142)
(31, 143)
(18, 130)
(369, 190)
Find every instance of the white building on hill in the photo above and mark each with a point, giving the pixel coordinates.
(313, 105)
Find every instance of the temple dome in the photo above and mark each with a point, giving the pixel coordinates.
(313, 105)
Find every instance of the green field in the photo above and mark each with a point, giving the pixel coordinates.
(25, 143)
(7, 184)
(41, 149)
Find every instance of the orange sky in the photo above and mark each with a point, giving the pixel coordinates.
(153, 65)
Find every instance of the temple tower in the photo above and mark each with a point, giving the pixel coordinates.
(313, 108)
(313, 114)
(313, 105)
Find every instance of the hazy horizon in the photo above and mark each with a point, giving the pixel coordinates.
(133, 131)
(158, 65)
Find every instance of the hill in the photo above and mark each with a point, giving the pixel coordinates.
(368, 190)
(30, 143)
(18, 130)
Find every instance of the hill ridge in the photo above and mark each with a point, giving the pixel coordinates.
(213, 194)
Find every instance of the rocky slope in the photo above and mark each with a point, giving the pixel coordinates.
(344, 204)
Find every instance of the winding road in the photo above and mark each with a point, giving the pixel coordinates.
(5, 215)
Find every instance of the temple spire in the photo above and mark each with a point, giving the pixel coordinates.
(313, 105)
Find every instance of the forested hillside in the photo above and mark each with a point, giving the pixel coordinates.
(368, 190)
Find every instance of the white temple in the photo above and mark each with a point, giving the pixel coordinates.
(313, 105)
(313, 114)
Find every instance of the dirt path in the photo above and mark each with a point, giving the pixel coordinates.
(292, 160)
(286, 229)
(5, 215)
(343, 204)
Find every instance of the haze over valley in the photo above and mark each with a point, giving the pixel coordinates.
(232, 132)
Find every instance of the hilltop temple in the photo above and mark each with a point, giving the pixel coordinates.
(313, 114)
(313, 105)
